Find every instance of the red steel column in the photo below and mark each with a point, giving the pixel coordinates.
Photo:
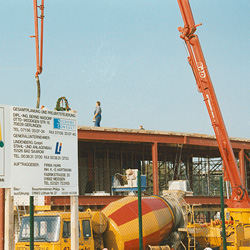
(242, 166)
(90, 165)
(2, 203)
(155, 168)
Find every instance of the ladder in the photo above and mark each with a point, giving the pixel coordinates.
(19, 211)
(177, 161)
(191, 237)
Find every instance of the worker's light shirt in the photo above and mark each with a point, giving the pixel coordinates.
(98, 110)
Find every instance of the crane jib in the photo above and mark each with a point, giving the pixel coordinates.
(239, 197)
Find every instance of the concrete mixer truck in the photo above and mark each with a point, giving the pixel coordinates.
(114, 228)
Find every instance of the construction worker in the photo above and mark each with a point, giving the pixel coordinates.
(97, 114)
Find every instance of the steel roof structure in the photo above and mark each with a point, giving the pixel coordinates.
(103, 149)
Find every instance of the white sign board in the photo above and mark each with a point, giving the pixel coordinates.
(43, 152)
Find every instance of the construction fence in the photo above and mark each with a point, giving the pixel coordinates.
(113, 226)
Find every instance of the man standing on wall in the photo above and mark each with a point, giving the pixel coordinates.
(97, 114)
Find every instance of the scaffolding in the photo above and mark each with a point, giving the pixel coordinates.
(99, 162)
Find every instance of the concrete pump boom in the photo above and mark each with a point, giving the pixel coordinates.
(39, 49)
(239, 197)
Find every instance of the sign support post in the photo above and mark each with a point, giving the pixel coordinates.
(31, 222)
(9, 221)
(74, 222)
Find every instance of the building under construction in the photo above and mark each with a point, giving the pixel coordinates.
(163, 157)
(106, 154)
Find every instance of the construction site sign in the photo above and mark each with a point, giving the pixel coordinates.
(43, 152)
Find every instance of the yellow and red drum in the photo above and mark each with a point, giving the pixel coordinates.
(122, 233)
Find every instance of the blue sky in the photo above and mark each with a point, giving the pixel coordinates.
(128, 55)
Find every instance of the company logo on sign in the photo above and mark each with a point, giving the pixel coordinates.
(64, 124)
(58, 148)
(1, 138)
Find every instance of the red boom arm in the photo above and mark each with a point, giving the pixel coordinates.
(239, 197)
(39, 58)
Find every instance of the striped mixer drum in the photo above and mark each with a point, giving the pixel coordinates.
(158, 221)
